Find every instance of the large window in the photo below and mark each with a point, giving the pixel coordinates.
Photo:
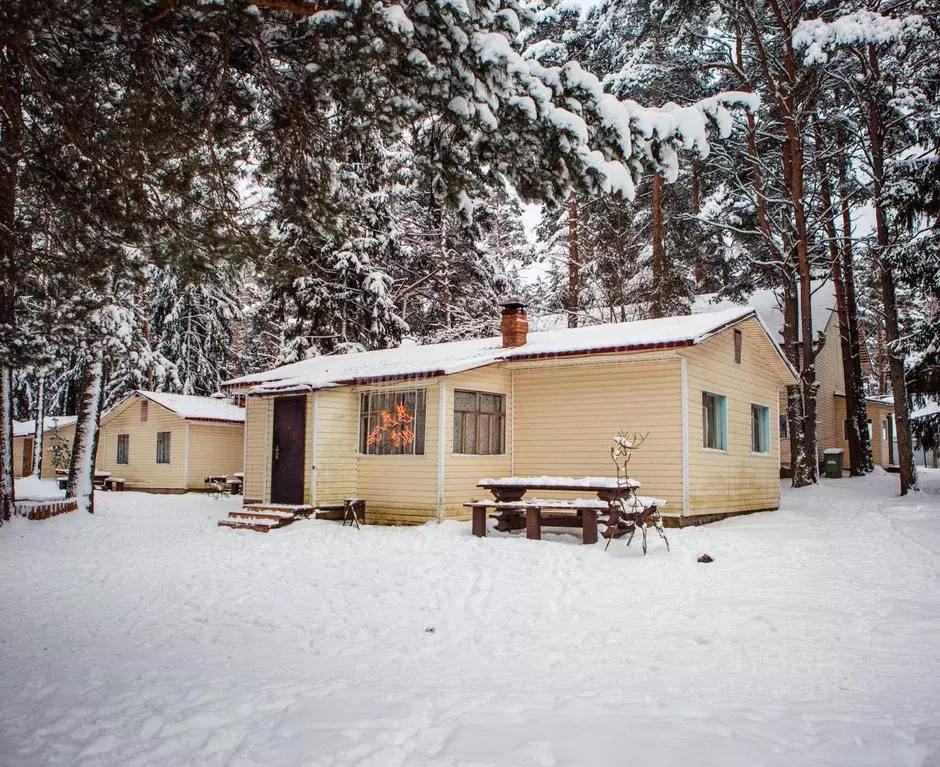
(163, 446)
(123, 446)
(479, 423)
(392, 423)
(760, 429)
(714, 421)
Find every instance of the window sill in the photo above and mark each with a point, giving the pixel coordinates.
(714, 450)
(761, 455)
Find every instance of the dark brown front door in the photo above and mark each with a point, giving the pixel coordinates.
(27, 457)
(287, 460)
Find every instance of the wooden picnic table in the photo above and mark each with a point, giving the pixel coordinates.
(512, 505)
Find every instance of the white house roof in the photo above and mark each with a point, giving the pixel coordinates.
(766, 302)
(28, 428)
(457, 356)
(197, 408)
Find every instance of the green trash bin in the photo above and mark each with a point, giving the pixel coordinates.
(832, 462)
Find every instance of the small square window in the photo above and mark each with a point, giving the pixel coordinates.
(714, 421)
(738, 343)
(760, 429)
(123, 448)
(163, 446)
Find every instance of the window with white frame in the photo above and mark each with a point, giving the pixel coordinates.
(479, 423)
(714, 421)
(760, 429)
(392, 422)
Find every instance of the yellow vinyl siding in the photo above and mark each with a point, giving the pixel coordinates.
(142, 470)
(257, 442)
(734, 480)
(19, 445)
(567, 413)
(337, 458)
(214, 450)
(462, 472)
(402, 489)
(830, 378)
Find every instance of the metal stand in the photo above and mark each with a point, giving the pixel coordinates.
(351, 512)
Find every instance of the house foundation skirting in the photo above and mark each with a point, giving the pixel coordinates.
(707, 519)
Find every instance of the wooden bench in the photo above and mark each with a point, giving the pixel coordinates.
(342, 511)
(537, 513)
(115, 484)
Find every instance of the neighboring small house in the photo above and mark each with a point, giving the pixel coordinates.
(829, 371)
(411, 430)
(927, 454)
(169, 443)
(56, 429)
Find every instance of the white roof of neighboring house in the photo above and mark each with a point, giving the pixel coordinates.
(196, 408)
(766, 302)
(447, 358)
(28, 428)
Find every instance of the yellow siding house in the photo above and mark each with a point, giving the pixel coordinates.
(412, 430)
(57, 429)
(169, 443)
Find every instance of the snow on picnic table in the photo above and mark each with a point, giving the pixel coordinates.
(145, 635)
(548, 482)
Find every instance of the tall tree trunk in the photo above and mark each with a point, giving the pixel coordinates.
(876, 137)
(574, 263)
(849, 384)
(695, 195)
(793, 173)
(791, 349)
(81, 484)
(657, 299)
(858, 418)
(6, 444)
(10, 131)
(38, 443)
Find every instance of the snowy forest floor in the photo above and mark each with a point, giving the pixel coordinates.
(146, 635)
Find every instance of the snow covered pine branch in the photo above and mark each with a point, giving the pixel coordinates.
(544, 128)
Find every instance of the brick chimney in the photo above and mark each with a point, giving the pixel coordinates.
(514, 325)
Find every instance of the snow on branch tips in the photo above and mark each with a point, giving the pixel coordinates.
(816, 36)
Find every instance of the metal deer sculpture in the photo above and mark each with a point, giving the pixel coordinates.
(627, 512)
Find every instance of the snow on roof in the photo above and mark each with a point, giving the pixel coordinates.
(929, 408)
(458, 356)
(197, 408)
(28, 428)
(766, 302)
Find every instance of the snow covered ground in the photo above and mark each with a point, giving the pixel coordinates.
(147, 635)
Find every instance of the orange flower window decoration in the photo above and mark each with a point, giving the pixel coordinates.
(396, 427)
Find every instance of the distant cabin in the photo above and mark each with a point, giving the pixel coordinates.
(57, 430)
(412, 430)
(169, 443)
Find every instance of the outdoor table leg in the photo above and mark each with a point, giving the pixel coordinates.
(589, 526)
(479, 522)
(533, 524)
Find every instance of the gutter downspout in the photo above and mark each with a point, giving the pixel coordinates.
(684, 375)
(441, 426)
